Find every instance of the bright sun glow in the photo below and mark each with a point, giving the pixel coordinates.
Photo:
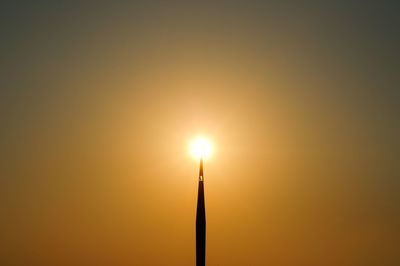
(200, 148)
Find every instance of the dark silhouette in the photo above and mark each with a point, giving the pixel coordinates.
(201, 221)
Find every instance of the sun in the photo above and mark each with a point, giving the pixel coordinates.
(200, 147)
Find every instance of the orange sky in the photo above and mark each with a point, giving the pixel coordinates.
(99, 104)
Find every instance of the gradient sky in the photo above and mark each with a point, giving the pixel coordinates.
(99, 101)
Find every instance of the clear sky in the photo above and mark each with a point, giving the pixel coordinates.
(99, 101)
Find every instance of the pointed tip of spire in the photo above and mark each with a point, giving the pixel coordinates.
(201, 174)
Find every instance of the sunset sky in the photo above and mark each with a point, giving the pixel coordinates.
(99, 103)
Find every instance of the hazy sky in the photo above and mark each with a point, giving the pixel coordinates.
(99, 101)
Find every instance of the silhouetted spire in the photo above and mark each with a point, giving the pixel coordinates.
(201, 176)
(201, 221)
